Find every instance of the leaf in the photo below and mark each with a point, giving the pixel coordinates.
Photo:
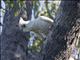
(12, 4)
(16, 13)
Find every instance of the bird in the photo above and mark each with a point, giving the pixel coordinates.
(39, 25)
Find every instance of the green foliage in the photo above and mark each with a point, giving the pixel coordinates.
(16, 5)
(48, 8)
(16, 13)
(36, 47)
(9, 3)
(21, 3)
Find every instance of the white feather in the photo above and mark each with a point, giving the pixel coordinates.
(38, 25)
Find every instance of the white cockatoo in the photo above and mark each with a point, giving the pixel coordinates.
(39, 25)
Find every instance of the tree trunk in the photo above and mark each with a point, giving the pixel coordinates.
(57, 39)
(13, 40)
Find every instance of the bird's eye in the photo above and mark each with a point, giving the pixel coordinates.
(23, 25)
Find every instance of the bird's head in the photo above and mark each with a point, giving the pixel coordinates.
(24, 25)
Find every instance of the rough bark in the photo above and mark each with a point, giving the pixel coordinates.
(13, 40)
(29, 8)
(57, 40)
